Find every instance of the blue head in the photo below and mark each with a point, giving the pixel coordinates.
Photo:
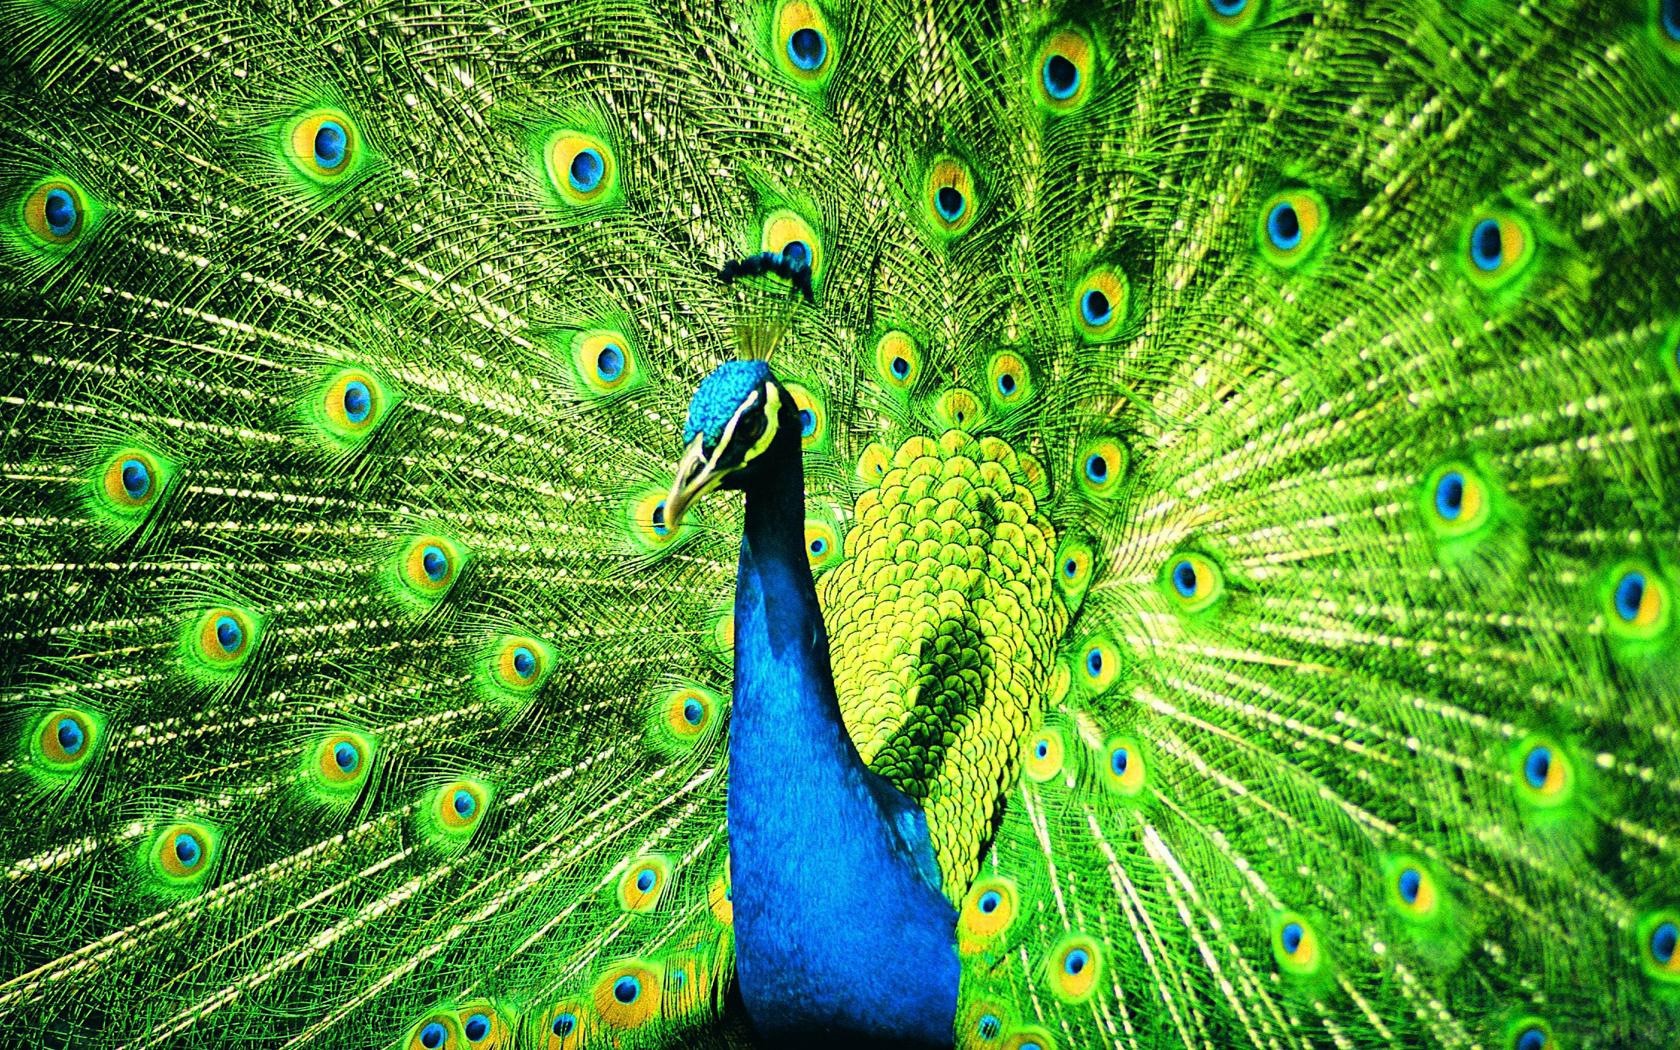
(733, 419)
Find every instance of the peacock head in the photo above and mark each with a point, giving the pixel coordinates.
(733, 420)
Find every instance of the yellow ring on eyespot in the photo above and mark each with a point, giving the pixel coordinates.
(1231, 16)
(784, 226)
(480, 1017)
(1074, 566)
(452, 1038)
(643, 883)
(948, 196)
(1295, 944)
(1658, 937)
(352, 402)
(1490, 267)
(131, 481)
(1008, 381)
(647, 521)
(67, 738)
(1028, 1037)
(459, 805)
(1637, 601)
(1125, 765)
(1291, 225)
(1409, 877)
(897, 359)
(984, 1024)
(718, 896)
(1455, 500)
(342, 760)
(813, 431)
(1042, 756)
(568, 1038)
(522, 662)
(422, 560)
(582, 168)
(1543, 771)
(225, 636)
(1100, 303)
(723, 633)
(1052, 92)
(56, 212)
(988, 910)
(872, 465)
(605, 362)
(184, 852)
(689, 711)
(822, 544)
(957, 409)
(1193, 582)
(808, 60)
(1099, 665)
(324, 144)
(1520, 1027)
(1101, 464)
(628, 994)
(1076, 963)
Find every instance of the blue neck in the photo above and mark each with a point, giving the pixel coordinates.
(841, 932)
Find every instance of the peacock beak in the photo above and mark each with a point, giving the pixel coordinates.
(695, 474)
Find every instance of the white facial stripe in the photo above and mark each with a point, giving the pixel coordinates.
(772, 419)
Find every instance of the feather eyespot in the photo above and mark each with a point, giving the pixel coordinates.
(1074, 567)
(564, 1025)
(948, 190)
(341, 763)
(685, 714)
(1498, 248)
(988, 909)
(1292, 225)
(1007, 379)
(224, 638)
(822, 544)
(628, 994)
(958, 409)
(56, 213)
(1412, 890)
(131, 482)
(1544, 775)
(458, 807)
(1193, 582)
(521, 663)
(1529, 1033)
(182, 854)
(430, 566)
(1099, 664)
(643, 883)
(582, 168)
(786, 233)
(1126, 769)
(1075, 965)
(1100, 302)
(439, 1031)
(1457, 502)
(324, 145)
(648, 527)
(351, 404)
(1295, 945)
(1063, 71)
(1231, 16)
(1102, 466)
(1043, 755)
(605, 363)
(897, 359)
(872, 464)
(803, 45)
(1658, 935)
(1638, 606)
(66, 738)
(813, 418)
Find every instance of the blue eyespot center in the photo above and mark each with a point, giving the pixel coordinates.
(989, 1026)
(1671, 18)
(477, 1027)
(1630, 595)
(1537, 766)
(435, 563)
(949, 201)
(989, 902)
(563, 1025)
(433, 1036)
(1096, 468)
(659, 526)
(1095, 308)
(900, 368)
(70, 736)
(330, 141)
(229, 635)
(609, 363)
(1042, 750)
(61, 213)
(464, 803)
(693, 712)
(807, 49)
(1094, 662)
(136, 479)
(1410, 882)
(1006, 384)
(358, 401)
(1061, 77)
(1449, 495)
(346, 757)
(1228, 8)
(1076, 962)
(1283, 227)
(1119, 760)
(627, 990)
(797, 254)
(1291, 937)
(586, 170)
(1487, 245)
(807, 422)
(187, 850)
(645, 880)
(1664, 939)
(1532, 1039)
(1070, 568)
(524, 662)
(1184, 579)
(819, 545)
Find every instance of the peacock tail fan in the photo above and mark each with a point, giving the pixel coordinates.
(1240, 441)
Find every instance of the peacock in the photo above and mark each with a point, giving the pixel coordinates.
(1031, 525)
